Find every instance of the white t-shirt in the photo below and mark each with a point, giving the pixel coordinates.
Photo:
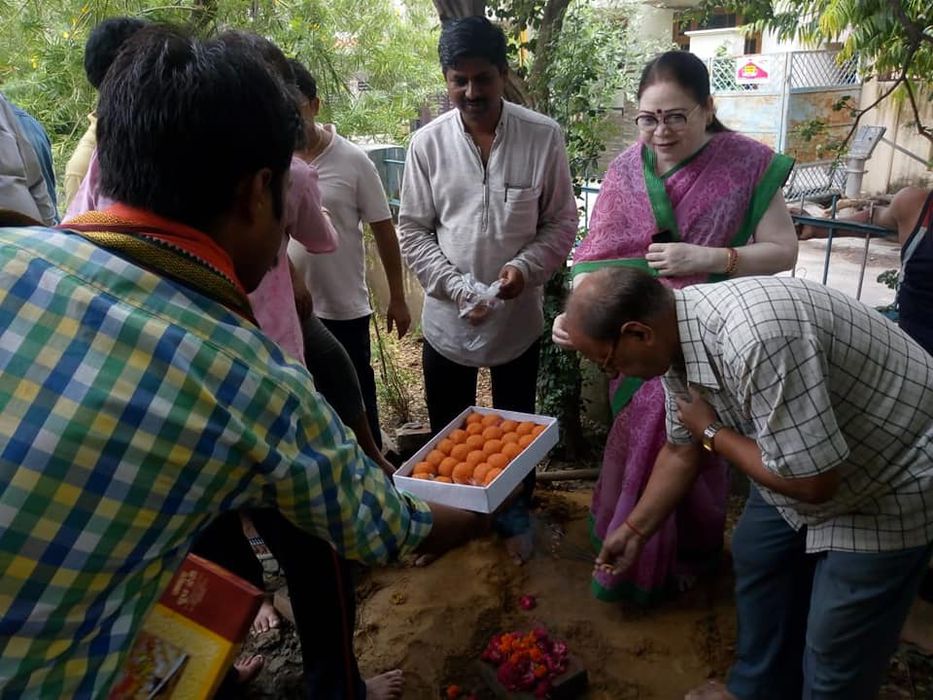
(352, 192)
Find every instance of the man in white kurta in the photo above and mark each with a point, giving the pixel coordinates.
(487, 193)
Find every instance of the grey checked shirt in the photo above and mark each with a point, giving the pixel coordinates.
(819, 381)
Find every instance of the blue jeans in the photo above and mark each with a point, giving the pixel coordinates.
(816, 627)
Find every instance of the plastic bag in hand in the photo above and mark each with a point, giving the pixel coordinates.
(477, 294)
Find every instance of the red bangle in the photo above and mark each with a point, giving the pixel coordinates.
(634, 529)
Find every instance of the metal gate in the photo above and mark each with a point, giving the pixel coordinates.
(802, 87)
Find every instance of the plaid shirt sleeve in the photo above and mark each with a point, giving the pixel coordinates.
(782, 384)
(330, 488)
(315, 473)
(674, 386)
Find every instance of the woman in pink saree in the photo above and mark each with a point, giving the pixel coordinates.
(691, 202)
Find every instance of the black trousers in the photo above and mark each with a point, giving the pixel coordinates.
(321, 591)
(335, 376)
(353, 335)
(451, 387)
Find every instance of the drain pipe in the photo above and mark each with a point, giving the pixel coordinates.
(855, 171)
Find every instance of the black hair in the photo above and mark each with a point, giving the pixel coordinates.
(104, 44)
(275, 60)
(616, 296)
(688, 71)
(268, 51)
(471, 37)
(306, 83)
(183, 121)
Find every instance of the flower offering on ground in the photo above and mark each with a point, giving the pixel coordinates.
(527, 661)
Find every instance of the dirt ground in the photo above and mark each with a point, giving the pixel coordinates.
(448, 611)
(433, 622)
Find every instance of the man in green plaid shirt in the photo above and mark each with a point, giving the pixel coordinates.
(137, 398)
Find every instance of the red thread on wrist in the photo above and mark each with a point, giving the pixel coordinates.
(634, 529)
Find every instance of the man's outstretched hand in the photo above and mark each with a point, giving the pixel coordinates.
(620, 550)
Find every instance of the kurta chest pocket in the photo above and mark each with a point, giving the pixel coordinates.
(519, 208)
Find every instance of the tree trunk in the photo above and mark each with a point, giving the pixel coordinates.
(450, 9)
(552, 20)
(516, 90)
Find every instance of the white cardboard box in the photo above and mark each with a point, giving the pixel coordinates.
(481, 499)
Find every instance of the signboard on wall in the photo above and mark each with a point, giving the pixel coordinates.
(752, 70)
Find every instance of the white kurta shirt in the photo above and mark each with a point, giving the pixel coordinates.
(459, 217)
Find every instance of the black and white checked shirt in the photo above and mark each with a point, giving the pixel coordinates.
(820, 381)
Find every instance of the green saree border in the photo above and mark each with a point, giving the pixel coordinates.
(627, 590)
(771, 181)
(588, 266)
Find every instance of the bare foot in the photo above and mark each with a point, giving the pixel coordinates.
(248, 667)
(918, 629)
(266, 619)
(386, 686)
(711, 690)
(521, 546)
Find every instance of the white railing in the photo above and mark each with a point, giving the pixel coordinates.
(806, 70)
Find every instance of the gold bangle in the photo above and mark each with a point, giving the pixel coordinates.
(733, 261)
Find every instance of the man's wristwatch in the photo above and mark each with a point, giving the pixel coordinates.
(710, 434)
